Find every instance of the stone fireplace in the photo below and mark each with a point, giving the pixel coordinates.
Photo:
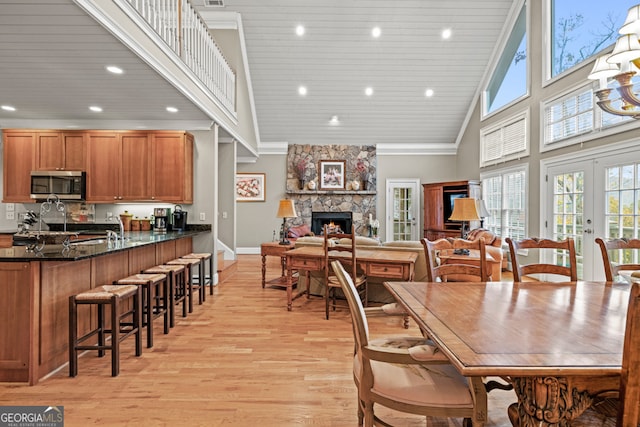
(319, 219)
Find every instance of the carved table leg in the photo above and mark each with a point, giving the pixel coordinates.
(264, 269)
(547, 401)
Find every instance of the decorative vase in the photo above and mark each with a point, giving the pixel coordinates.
(301, 182)
(311, 185)
(355, 185)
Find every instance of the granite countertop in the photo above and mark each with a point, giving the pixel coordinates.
(93, 248)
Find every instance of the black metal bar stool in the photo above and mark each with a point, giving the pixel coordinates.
(188, 264)
(119, 329)
(177, 287)
(204, 277)
(155, 299)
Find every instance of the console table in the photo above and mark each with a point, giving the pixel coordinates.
(275, 249)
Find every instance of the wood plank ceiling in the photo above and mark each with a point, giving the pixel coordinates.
(53, 58)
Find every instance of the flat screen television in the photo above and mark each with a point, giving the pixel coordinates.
(448, 204)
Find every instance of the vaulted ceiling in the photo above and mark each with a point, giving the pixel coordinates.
(53, 57)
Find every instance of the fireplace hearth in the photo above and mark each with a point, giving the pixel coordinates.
(342, 219)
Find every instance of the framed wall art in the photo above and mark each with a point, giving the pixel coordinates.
(332, 174)
(250, 187)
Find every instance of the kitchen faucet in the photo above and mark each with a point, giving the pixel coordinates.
(121, 228)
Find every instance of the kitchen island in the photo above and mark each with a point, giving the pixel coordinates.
(35, 289)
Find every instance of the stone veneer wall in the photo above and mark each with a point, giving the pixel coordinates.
(361, 202)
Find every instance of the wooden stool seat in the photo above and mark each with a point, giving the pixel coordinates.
(188, 264)
(177, 287)
(207, 278)
(119, 329)
(155, 299)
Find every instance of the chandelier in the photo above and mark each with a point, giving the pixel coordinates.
(621, 64)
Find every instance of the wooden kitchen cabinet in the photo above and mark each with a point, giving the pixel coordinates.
(438, 205)
(18, 162)
(140, 166)
(61, 151)
(172, 167)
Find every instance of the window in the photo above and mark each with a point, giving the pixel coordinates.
(504, 193)
(575, 113)
(509, 78)
(582, 28)
(623, 201)
(505, 140)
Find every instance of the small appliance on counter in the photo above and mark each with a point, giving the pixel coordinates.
(179, 219)
(162, 220)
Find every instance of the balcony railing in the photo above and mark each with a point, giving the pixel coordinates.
(182, 29)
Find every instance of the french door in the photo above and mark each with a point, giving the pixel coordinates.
(403, 206)
(593, 197)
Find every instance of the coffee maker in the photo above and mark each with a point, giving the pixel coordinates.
(162, 220)
(179, 218)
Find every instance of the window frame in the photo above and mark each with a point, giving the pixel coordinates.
(497, 55)
(502, 124)
(504, 227)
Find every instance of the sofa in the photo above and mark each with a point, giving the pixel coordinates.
(377, 291)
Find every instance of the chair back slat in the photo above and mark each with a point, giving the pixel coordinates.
(612, 268)
(348, 256)
(450, 269)
(521, 270)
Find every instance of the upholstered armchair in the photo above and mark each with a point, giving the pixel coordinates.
(493, 246)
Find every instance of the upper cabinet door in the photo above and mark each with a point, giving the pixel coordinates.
(49, 151)
(173, 167)
(135, 183)
(103, 167)
(18, 162)
(75, 151)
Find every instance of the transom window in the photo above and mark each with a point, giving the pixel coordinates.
(581, 28)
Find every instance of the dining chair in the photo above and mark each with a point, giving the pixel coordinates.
(347, 255)
(567, 247)
(455, 267)
(620, 249)
(417, 380)
(629, 409)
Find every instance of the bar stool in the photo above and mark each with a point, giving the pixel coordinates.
(154, 305)
(207, 279)
(177, 287)
(188, 264)
(119, 330)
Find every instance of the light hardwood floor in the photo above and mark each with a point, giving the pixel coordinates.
(240, 359)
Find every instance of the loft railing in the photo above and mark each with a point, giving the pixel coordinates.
(180, 26)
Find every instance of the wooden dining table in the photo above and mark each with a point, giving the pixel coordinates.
(559, 344)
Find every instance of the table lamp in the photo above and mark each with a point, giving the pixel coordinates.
(464, 209)
(483, 212)
(286, 209)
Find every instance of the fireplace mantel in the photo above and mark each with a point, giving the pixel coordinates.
(330, 192)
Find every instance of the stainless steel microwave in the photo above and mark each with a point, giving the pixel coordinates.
(67, 185)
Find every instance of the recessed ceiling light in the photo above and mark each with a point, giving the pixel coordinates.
(300, 30)
(428, 93)
(368, 91)
(8, 108)
(115, 70)
(334, 121)
(302, 90)
(95, 109)
(376, 32)
(446, 33)
(172, 109)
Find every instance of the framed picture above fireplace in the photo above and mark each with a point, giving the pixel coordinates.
(332, 174)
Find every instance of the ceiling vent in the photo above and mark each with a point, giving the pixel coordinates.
(214, 3)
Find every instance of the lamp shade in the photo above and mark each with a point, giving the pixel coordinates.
(464, 209)
(632, 23)
(627, 49)
(483, 212)
(286, 209)
(603, 69)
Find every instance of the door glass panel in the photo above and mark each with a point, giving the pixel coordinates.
(569, 215)
(402, 214)
(622, 217)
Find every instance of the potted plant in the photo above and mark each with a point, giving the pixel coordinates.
(301, 171)
(363, 173)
